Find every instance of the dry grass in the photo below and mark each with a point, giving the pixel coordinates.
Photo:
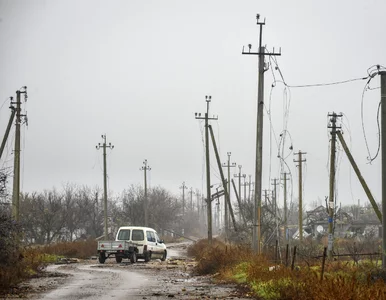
(342, 280)
(78, 249)
(217, 258)
(31, 260)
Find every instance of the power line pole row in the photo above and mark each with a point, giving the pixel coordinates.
(256, 235)
(300, 165)
(104, 146)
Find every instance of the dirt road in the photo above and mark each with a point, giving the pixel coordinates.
(153, 280)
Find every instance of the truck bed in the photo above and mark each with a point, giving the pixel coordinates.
(114, 245)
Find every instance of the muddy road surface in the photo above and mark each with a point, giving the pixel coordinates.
(171, 279)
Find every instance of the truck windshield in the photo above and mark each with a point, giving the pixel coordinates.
(124, 234)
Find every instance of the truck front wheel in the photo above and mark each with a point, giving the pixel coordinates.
(147, 256)
(102, 258)
(118, 259)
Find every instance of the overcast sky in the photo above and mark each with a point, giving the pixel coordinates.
(137, 71)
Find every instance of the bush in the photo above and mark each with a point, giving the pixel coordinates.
(78, 249)
(217, 257)
(16, 262)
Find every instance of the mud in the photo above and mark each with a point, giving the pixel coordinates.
(171, 279)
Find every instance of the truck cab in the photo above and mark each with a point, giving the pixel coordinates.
(147, 240)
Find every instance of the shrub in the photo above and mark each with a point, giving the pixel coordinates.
(217, 257)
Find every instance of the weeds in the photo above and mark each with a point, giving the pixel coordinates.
(342, 279)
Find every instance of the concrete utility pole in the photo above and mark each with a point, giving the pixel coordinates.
(191, 198)
(256, 235)
(104, 146)
(249, 187)
(208, 194)
(145, 168)
(300, 165)
(331, 208)
(183, 187)
(383, 152)
(228, 165)
(16, 166)
(285, 204)
(244, 184)
(274, 198)
(239, 176)
(198, 196)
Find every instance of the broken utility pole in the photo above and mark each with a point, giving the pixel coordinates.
(256, 234)
(104, 146)
(223, 180)
(300, 165)
(208, 194)
(359, 175)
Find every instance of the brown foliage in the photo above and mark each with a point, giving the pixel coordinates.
(78, 249)
(217, 257)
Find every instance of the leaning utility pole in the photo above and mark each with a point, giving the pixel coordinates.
(5, 138)
(226, 218)
(300, 165)
(16, 166)
(256, 235)
(331, 208)
(104, 146)
(208, 194)
(359, 175)
(383, 147)
(183, 187)
(145, 168)
(223, 180)
(285, 204)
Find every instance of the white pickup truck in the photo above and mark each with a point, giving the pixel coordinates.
(133, 242)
